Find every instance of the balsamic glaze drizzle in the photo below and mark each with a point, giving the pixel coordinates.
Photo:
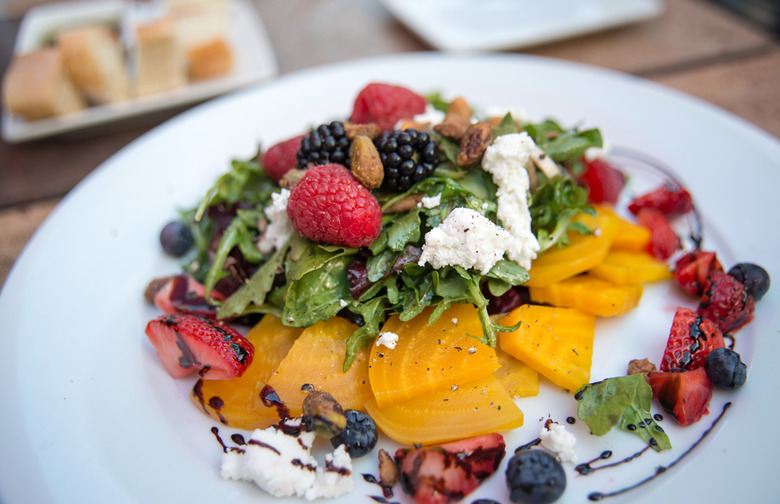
(597, 496)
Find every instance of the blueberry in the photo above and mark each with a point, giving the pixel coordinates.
(535, 477)
(752, 276)
(725, 368)
(360, 435)
(176, 238)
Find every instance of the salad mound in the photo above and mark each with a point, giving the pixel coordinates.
(444, 261)
(303, 281)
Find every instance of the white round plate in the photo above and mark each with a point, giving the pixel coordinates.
(89, 415)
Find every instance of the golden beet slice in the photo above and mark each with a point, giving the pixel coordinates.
(429, 358)
(232, 402)
(626, 268)
(557, 342)
(581, 254)
(589, 294)
(518, 378)
(316, 361)
(478, 407)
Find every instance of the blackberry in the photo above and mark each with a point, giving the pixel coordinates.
(327, 143)
(408, 157)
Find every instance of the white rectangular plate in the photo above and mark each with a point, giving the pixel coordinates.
(485, 25)
(252, 51)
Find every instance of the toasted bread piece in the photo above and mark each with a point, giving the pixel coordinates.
(210, 59)
(37, 85)
(96, 62)
(161, 59)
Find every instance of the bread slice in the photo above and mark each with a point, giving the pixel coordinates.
(37, 85)
(161, 59)
(96, 62)
(209, 60)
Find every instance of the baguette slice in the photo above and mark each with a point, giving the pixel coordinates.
(210, 59)
(96, 62)
(161, 58)
(37, 86)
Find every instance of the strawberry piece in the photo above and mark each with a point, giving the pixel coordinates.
(385, 105)
(691, 338)
(181, 294)
(692, 270)
(603, 182)
(449, 472)
(188, 343)
(669, 199)
(683, 394)
(280, 158)
(727, 302)
(329, 205)
(663, 240)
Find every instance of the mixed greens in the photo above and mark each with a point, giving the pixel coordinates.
(304, 282)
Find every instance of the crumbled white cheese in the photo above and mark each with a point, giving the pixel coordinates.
(279, 228)
(282, 465)
(593, 153)
(388, 339)
(430, 201)
(432, 116)
(465, 238)
(557, 439)
(505, 160)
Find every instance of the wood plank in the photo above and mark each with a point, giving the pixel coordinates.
(18, 225)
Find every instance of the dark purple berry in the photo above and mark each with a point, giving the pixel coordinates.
(408, 157)
(535, 477)
(176, 238)
(327, 143)
(752, 276)
(725, 368)
(360, 435)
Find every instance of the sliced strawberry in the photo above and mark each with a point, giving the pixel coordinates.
(692, 270)
(602, 180)
(386, 104)
(189, 343)
(691, 338)
(663, 240)
(181, 294)
(669, 199)
(683, 394)
(449, 472)
(280, 158)
(727, 302)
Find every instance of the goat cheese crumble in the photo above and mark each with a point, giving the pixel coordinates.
(465, 238)
(557, 439)
(505, 160)
(388, 339)
(279, 228)
(282, 464)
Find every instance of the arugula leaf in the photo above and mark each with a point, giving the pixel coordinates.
(563, 146)
(505, 127)
(624, 400)
(246, 181)
(552, 208)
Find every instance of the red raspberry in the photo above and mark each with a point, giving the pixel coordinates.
(329, 205)
(726, 302)
(280, 158)
(385, 105)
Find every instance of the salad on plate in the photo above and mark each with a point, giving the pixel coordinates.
(409, 274)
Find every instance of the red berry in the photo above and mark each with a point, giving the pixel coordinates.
(669, 199)
(280, 158)
(691, 338)
(604, 182)
(683, 394)
(385, 105)
(182, 294)
(329, 205)
(692, 270)
(189, 343)
(663, 240)
(449, 472)
(727, 302)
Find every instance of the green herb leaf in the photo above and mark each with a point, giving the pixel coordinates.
(625, 400)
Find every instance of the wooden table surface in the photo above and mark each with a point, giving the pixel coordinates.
(695, 46)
